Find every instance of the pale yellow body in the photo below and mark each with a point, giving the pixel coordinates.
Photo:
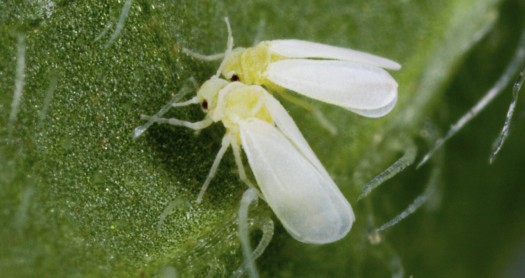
(248, 65)
(230, 102)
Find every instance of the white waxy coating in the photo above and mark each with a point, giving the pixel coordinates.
(306, 49)
(299, 191)
(366, 90)
(288, 127)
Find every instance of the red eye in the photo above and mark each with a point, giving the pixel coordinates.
(234, 78)
(204, 105)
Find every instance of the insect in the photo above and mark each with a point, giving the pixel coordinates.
(344, 77)
(289, 176)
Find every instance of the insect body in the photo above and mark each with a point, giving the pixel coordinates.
(348, 78)
(351, 79)
(290, 177)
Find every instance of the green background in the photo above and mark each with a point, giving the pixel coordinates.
(79, 197)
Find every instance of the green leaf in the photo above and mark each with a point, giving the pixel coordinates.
(79, 196)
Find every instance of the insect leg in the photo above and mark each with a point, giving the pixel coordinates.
(226, 141)
(229, 47)
(191, 101)
(242, 174)
(172, 121)
(216, 56)
(173, 103)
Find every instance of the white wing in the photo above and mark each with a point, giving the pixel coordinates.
(367, 90)
(310, 206)
(306, 49)
(288, 127)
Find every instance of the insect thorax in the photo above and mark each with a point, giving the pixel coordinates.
(237, 102)
(249, 64)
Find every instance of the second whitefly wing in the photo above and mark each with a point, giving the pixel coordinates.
(364, 89)
(306, 49)
(293, 182)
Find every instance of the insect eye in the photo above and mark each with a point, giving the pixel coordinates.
(234, 78)
(204, 105)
